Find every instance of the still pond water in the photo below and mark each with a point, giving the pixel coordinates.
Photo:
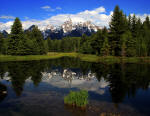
(37, 88)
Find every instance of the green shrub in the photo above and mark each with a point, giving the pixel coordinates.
(79, 99)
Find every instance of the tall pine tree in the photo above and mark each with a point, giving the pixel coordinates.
(118, 26)
(38, 39)
(16, 38)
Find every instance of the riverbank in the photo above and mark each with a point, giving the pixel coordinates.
(83, 57)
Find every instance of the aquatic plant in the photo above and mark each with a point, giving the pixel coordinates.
(78, 99)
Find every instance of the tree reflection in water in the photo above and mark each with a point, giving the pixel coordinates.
(3, 92)
(123, 79)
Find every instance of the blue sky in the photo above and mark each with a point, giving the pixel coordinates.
(29, 10)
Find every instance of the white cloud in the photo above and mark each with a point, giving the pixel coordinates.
(26, 18)
(97, 16)
(48, 8)
(6, 26)
(93, 12)
(7, 17)
(58, 8)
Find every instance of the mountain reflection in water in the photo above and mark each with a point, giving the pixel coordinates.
(121, 88)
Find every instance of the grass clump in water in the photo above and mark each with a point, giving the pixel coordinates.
(78, 99)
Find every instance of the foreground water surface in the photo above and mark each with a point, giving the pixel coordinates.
(38, 87)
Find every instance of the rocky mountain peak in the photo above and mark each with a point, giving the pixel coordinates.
(67, 26)
(4, 33)
(50, 27)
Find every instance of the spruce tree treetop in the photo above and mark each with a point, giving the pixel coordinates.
(37, 35)
(147, 22)
(17, 36)
(147, 19)
(105, 31)
(129, 22)
(118, 26)
(115, 17)
(134, 25)
(17, 27)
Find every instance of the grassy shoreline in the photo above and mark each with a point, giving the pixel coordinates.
(83, 57)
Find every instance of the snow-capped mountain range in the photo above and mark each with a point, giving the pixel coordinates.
(68, 28)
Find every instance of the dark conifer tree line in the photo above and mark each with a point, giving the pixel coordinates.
(23, 43)
(126, 36)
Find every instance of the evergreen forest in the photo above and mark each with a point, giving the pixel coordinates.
(126, 36)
